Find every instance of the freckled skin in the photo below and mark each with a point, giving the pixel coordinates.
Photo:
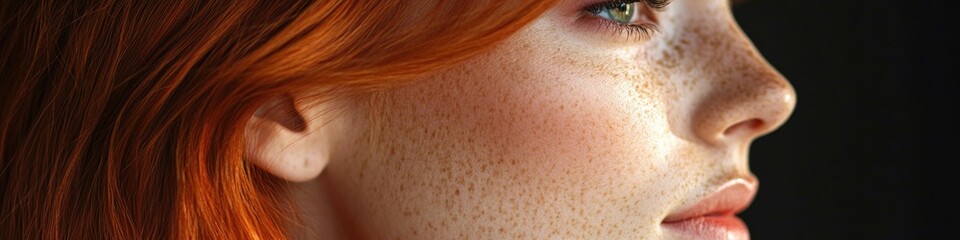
(559, 133)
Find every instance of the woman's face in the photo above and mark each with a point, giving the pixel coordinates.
(572, 128)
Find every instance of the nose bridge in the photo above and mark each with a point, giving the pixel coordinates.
(745, 97)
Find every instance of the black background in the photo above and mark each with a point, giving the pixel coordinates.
(868, 152)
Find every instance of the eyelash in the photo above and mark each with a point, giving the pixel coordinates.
(641, 31)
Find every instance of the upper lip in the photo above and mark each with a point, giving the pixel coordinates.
(730, 198)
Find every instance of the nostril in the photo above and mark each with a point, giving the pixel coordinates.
(751, 126)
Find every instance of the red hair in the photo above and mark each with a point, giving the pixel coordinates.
(123, 119)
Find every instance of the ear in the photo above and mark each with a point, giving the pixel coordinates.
(279, 139)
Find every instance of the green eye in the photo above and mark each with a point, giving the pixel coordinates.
(620, 12)
(632, 18)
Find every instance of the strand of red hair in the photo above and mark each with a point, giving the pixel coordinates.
(123, 119)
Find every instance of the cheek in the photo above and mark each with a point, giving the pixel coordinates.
(516, 114)
(498, 140)
(537, 144)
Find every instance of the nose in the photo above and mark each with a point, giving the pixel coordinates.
(746, 97)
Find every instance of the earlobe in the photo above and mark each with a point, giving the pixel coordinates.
(279, 140)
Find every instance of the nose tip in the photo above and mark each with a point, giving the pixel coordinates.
(772, 112)
(743, 109)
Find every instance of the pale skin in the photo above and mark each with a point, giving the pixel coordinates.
(565, 130)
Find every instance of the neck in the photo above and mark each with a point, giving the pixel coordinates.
(320, 220)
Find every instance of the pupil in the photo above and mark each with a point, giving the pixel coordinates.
(622, 12)
(622, 7)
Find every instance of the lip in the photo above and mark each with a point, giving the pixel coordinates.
(714, 217)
